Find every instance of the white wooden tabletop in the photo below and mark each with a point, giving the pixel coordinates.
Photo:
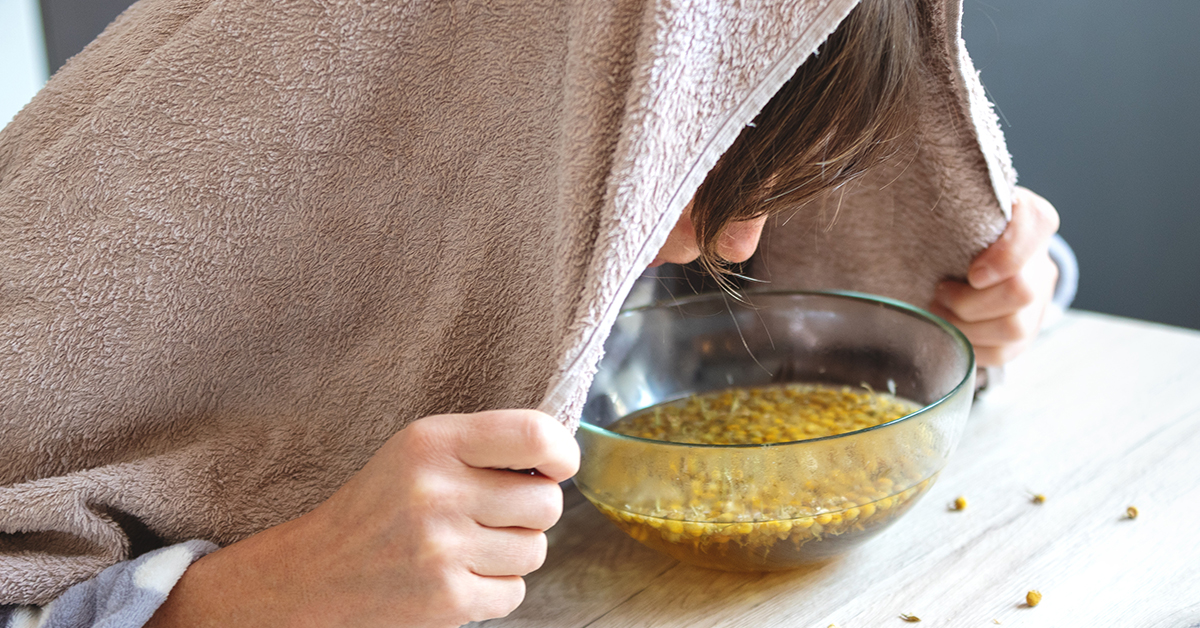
(1102, 413)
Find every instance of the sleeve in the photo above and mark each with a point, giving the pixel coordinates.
(122, 596)
(1068, 273)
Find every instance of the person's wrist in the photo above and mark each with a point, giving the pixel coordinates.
(246, 583)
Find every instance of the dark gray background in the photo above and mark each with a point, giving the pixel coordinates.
(1099, 100)
(70, 24)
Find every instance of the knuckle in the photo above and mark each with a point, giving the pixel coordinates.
(1042, 211)
(944, 311)
(1050, 273)
(550, 505)
(526, 553)
(429, 493)
(1009, 351)
(514, 595)
(528, 562)
(544, 438)
(962, 312)
(1006, 260)
(523, 551)
(419, 430)
(1029, 322)
(502, 601)
(437, 552)
(1049, 215)
(422, 436)
(1021, 293)
(1009, 329)
(986, 356)
(971, 312)
(537, 555)
(535, 431)
(459, 601)
(573, 458)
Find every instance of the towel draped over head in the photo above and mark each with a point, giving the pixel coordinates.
(243, 242)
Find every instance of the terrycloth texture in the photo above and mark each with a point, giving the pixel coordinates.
(903, 227)
(122, 596)
(243, 242)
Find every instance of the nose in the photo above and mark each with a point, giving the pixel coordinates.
(740, 239)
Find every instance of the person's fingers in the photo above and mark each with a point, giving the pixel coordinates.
(478, 598)
(971, 305)
(1027, 288)
(1013, 328)
(996, 341)
(1034, 221)
(506, 499)
(506, 551)
(502, 439)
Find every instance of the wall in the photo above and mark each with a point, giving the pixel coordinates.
(24, 68)
(1099, 102)
(71, 24)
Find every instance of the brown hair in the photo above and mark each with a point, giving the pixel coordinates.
(847, 108)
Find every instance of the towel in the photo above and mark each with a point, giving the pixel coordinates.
(243, 242)
(922, 216)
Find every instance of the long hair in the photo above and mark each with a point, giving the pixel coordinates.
(847, 108)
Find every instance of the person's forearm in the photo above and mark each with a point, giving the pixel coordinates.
(239, 585)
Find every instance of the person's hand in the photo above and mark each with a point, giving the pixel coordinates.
(435, 530)
(1010, 284)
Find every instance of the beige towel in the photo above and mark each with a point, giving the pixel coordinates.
(919, 219)
(243, 242)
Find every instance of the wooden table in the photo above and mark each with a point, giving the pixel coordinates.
(1101, 414)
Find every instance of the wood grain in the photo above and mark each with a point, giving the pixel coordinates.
(1100, 414)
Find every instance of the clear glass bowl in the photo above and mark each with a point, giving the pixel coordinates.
(780, 505)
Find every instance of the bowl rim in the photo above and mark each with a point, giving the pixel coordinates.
(896, 304)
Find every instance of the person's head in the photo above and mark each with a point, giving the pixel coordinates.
(847, 108)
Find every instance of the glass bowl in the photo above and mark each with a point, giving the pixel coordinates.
(778, 505)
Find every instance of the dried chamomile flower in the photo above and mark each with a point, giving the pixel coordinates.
(960, 503)
(912, 619)
(1033, 598)
(1038, 498)
(1131, 512)
(724, 517)
(768, 414)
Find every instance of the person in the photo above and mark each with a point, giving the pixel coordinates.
(1012, 289)
(309, 496)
